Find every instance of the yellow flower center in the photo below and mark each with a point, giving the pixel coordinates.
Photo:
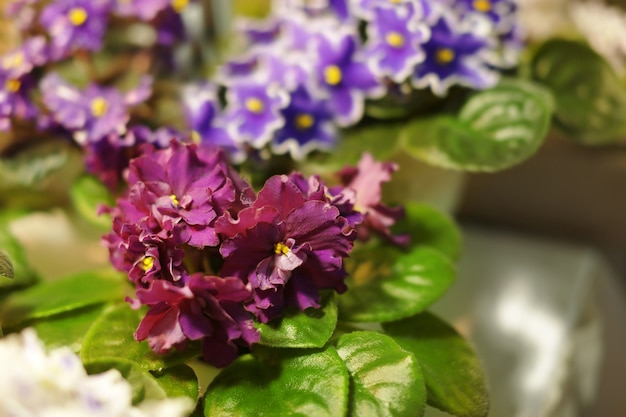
(281, 249)
(482, 5)
(254, 105)
(99, 106)
(332, 74)
(444, 55)
(195, 137)
(77, 16)
(304, 121)
(179, 5)
(147, 263)
(13, 60)
(174, 199)
(395, 39)
(12, 85)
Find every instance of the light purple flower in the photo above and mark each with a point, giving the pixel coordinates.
(308, 125)
(455, 56)
(252, 114)
(207, 308)
(21, 61)
(15, 101)
(394, 43)
(501, 14)
(75, 24)
(345, 77)
(287, 247)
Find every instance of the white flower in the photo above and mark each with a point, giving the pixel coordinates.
(604, 27)
(35, 383)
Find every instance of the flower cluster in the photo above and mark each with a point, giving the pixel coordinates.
(55, 384)
(99, 117)
(208, 256)
(308, 69)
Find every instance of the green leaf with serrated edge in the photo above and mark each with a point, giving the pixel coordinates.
(430, 227)
(281, 382)
(6, 266)
(55, 297)
(112, 335)
(495, 129)
(386, 381)
(180, 381)
(22, 274)
(87, 193)
(302, 329)
(590, 97)
(455, 381)
(386, 284)
(67, 329)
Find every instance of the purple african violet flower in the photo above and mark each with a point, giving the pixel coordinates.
(203, 115)
(260, 33)
(21, 61)
(93, 113)
(169, 25)
(15, 101)
(339, 8)
(366, 181)
(286, 247)
(307, 126)
(207, 308)
(454, 56)
(252, 114)
(190, 186)
(501, 14)
(394, 43)
(75, 24)
(366, 9)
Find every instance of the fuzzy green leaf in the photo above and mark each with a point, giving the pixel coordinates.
(590, 97)
(112, 336)
(6, 266)
(495, 129)
(296, 329)
(281, 382)
(13, 263)
(386, 284)
(55, 297)
(455, 381)
(386, 381)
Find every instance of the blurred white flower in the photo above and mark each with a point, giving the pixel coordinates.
(542, 19)
(35, 383)
(604, 27)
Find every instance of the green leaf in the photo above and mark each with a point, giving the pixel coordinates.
(13, 259)
(112, 336)
(455, 381)
(590, 97)
(386, 284)
(495, 129)
(176, 382)
(55, 297)
(87, 194)
(386, 381)
(68, 329)
(296, 329)
(430, 227)
(38, 175)
(281, 382)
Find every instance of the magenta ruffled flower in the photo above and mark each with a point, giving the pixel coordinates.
(207, 308)
(365, 181)
(287, 247)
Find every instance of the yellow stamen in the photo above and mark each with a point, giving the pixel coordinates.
(77, 16)
(444, 55)
(304, 121)
(99, 106)
(12, 85)
(254, 105)
(482, 5)
(179, 5)
(395, 39)
(13, 60)
(332, 74)
(147, 263)
(281, 249)
(195, 137)
(174, 199)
